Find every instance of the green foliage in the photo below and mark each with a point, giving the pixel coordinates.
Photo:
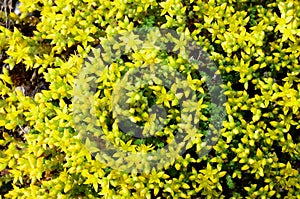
(255, 45)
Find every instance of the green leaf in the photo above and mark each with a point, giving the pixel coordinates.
(2, 166)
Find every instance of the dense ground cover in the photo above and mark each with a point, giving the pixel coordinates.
(255, 46)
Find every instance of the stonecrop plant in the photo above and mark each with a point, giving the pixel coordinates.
(56, 118)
